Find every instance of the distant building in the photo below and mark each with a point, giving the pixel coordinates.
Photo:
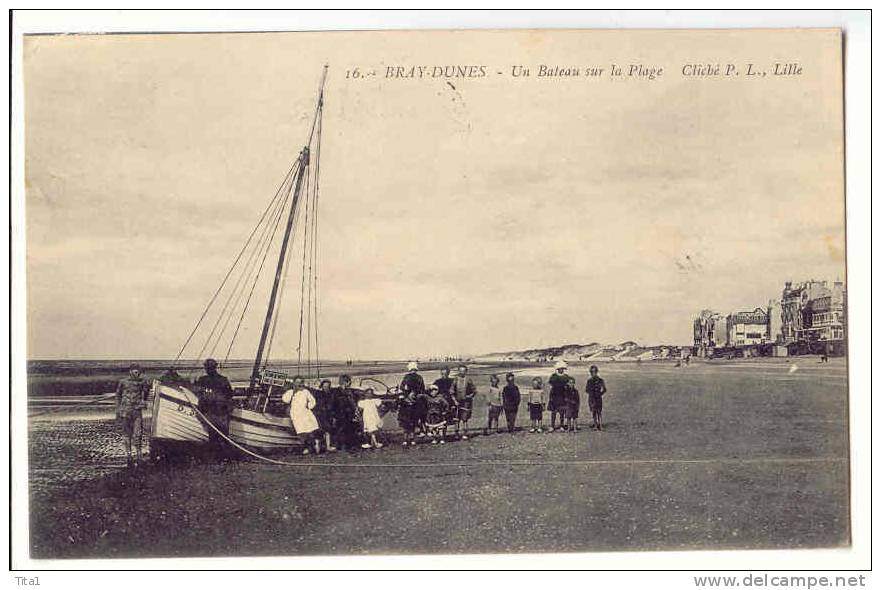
(824, 321)
(814, 317)
(810, 317)
(748, 328)
(793, 304)
(710, 332)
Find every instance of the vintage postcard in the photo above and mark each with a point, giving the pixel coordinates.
(435, 292)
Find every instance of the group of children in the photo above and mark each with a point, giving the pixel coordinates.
(340, 417)
(431, 411)
(562, 400)
(333, 415)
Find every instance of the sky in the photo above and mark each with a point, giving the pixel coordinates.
(458, 216)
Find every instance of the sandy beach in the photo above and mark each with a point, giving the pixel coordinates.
(747, 454)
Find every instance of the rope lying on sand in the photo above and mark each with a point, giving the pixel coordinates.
(231, 441)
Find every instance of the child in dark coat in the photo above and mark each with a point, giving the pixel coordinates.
(510, 401)
(596, 389)
(437, 416)
(573, 404)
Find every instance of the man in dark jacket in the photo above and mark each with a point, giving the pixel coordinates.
(445, 385)
(413, 386)
(215, 400)
(464, 392)
(344, 408)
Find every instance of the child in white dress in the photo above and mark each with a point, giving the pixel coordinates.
(302, 404)
(371, 419)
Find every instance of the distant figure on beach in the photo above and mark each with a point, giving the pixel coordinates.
(302, 406)
(596, 389)
(535, 402)
(464, 392)
(131, 395)
(558, 382)
(345, 414)
(511, 401)
(495, 405)
(215, 401)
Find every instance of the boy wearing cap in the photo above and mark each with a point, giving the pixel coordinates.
(131, 394)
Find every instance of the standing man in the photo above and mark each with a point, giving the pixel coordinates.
(345, 414)
(445, 386)
(464, 392)
(215, 401)
(596, 389)
(559, 381)
(413, 387)
(131, 395)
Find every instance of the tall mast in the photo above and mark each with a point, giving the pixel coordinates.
(279, 268)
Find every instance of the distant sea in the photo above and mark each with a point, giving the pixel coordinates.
(99, 366)
(97, 376)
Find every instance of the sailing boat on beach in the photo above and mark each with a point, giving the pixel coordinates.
(258, 420)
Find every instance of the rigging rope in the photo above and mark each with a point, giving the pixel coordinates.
(245, 273)
(228, 272)
(257, 276)
(249, 267)
(270, 219)
(245, 279)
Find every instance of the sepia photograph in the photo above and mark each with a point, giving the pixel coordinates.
(434, 292)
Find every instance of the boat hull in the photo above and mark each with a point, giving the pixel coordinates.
(175, 420)
(260, 431)
(174, 415)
